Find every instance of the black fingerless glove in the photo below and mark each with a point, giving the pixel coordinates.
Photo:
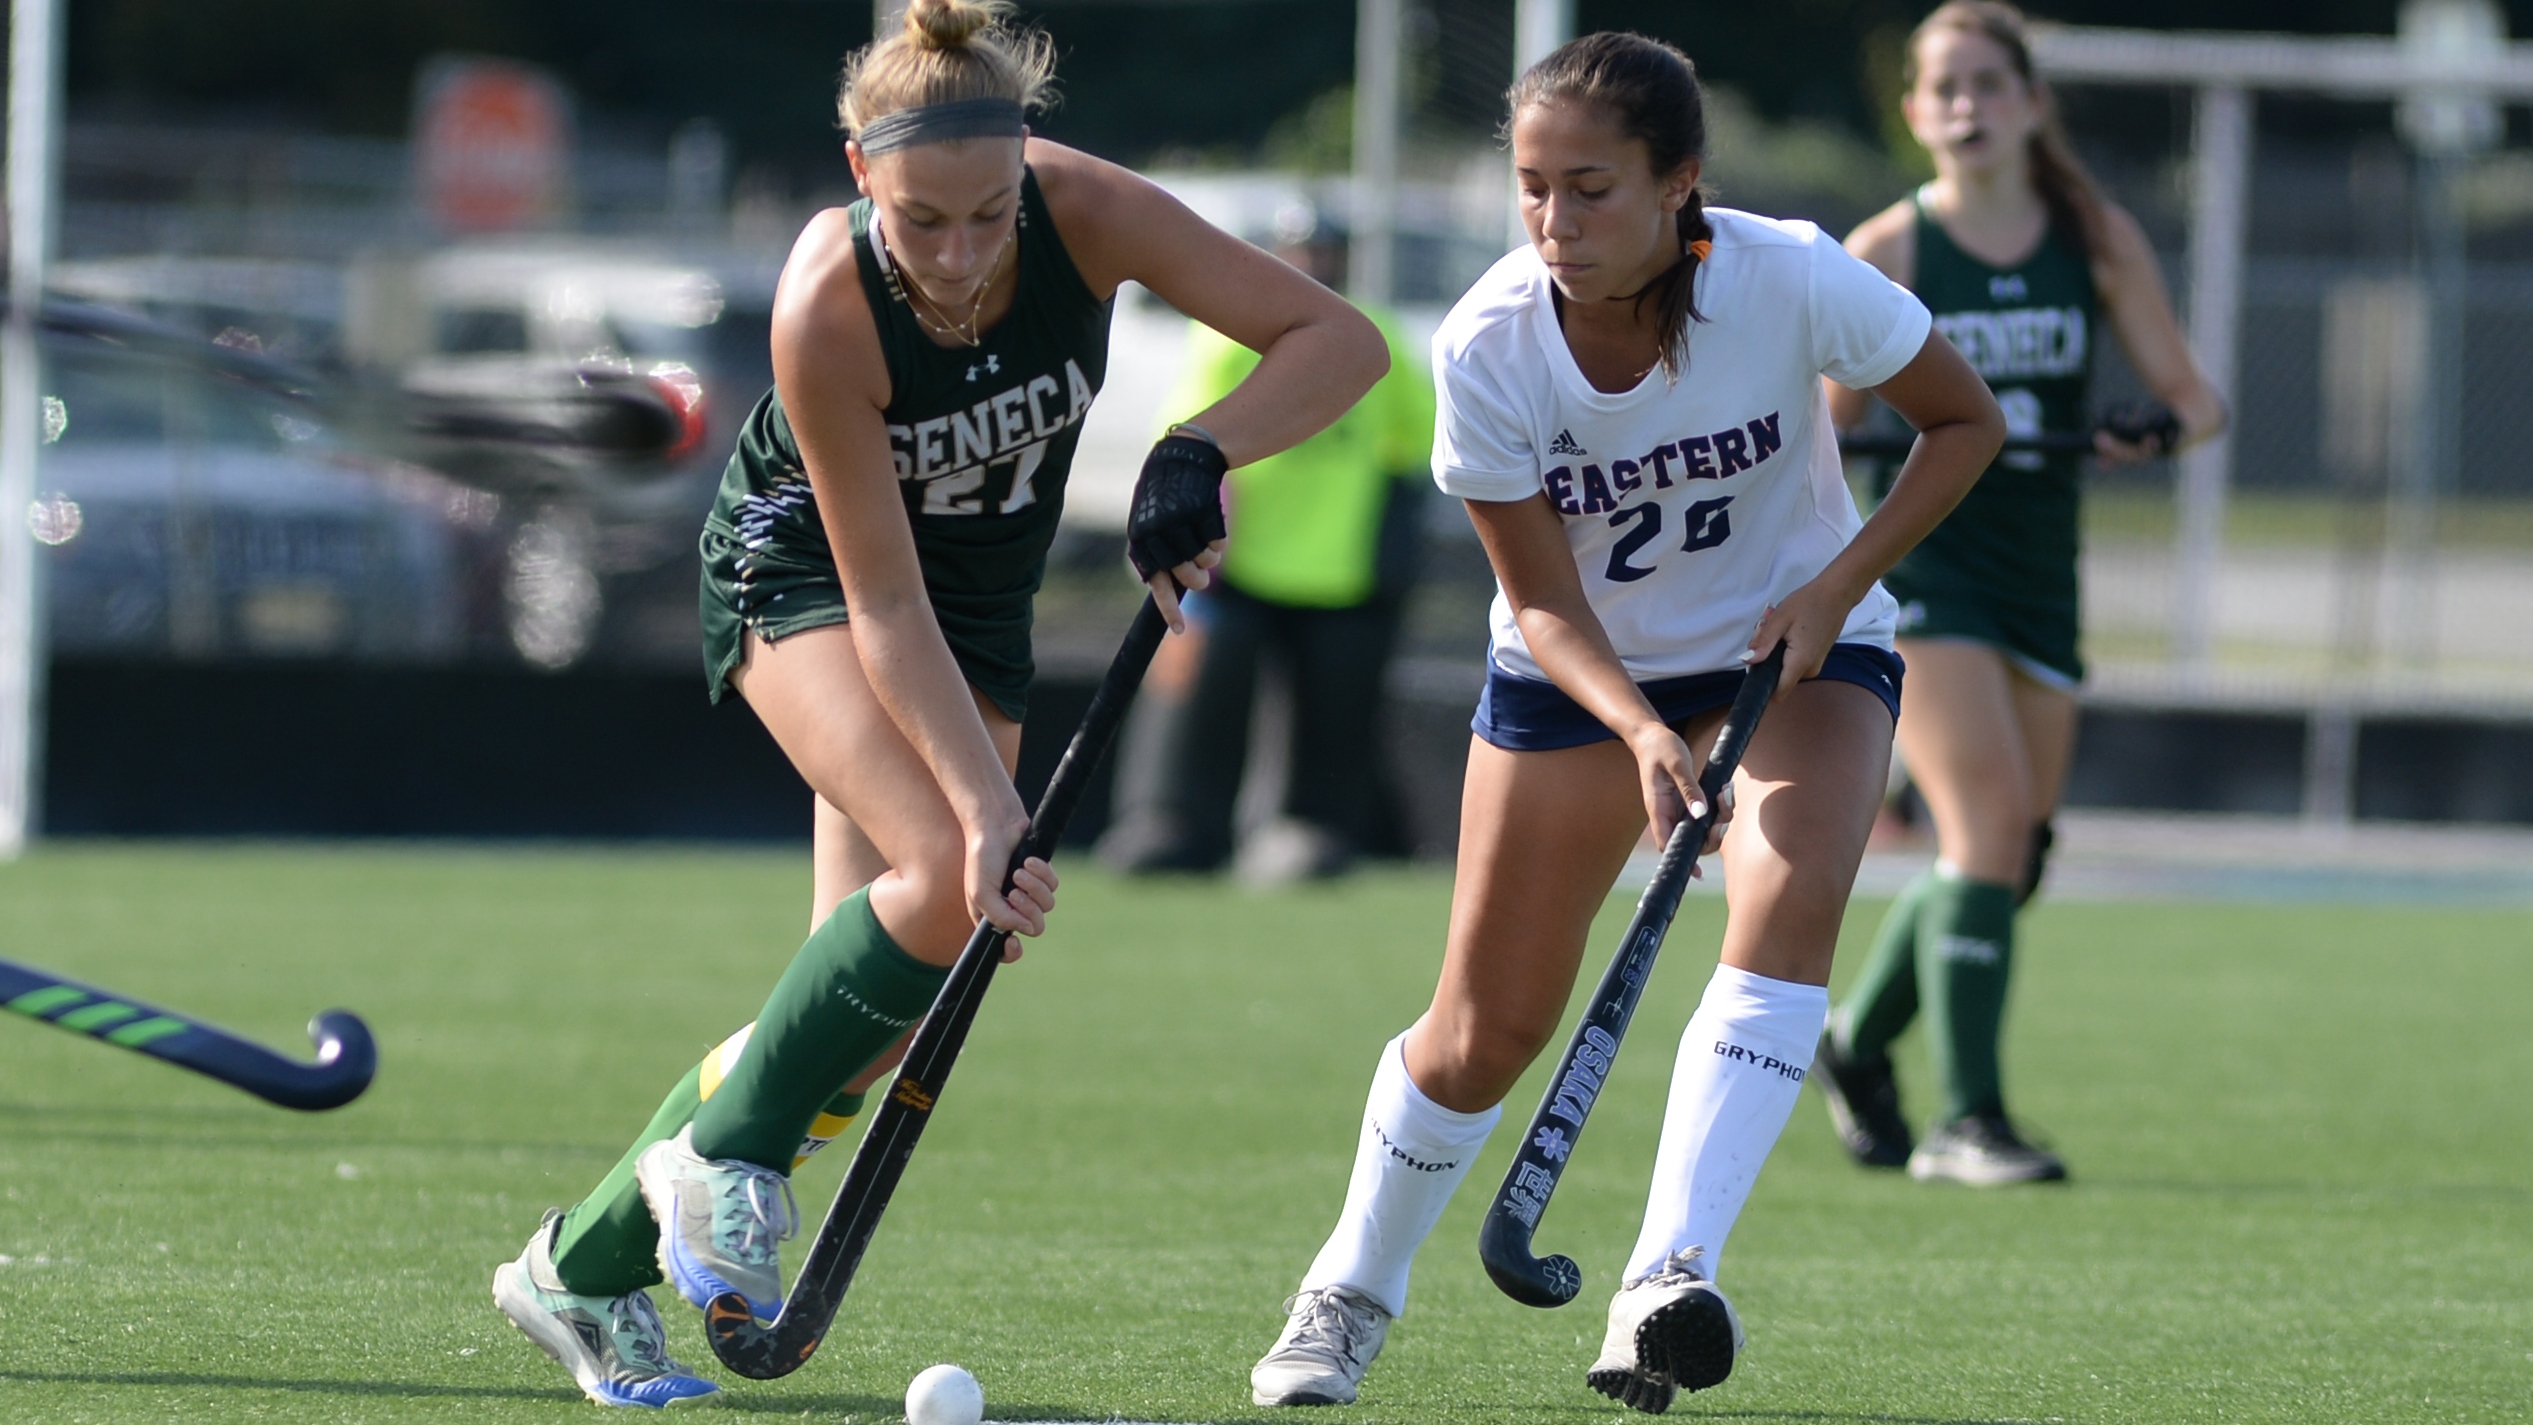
(2148, 423)
(1178, 507)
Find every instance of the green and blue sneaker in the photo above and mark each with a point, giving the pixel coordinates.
(721, 1223)
(613, 1345)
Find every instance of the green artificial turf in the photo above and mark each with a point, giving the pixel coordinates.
(2298, 1136)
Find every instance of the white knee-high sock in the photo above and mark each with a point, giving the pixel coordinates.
(1413, 1153)
(1740, 1070)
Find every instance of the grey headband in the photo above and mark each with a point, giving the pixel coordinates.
(940, 123)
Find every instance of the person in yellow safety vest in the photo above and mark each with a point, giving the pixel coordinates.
(1324, 539)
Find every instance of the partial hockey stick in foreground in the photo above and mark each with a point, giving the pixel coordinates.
(779, 1348)
(1504, 1242)
(2135, 422)
(2056, 442)
(347, 1058)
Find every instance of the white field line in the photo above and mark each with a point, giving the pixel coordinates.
(2121, 856)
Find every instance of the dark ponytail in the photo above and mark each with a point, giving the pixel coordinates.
(1651, 89)
(2074, 200)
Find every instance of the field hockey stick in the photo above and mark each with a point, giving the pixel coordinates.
(347, 1058)
(2055, 442)
(1504, 1242)
(780, 1347)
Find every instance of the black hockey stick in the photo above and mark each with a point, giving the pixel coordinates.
(779, 1348)
(2135, 422)
(2056, 442)
(347, 1058)
(1504, 1242)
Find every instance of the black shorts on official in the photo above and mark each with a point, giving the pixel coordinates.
(1533, 715)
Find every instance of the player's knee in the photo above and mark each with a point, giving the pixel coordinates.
(1479, 1059)
(937, 923)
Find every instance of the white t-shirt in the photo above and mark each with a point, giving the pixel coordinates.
(1691, 507)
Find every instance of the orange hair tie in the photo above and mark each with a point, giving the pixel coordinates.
(1701, 249)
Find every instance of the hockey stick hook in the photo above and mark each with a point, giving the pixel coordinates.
(1540, 1160)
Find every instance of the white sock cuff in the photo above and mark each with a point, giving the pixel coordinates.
(1738, 992)
(1779, 1019)
(1410, 1112)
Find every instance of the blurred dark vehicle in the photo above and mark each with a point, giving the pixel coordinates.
(597, 388)
(555, 371)
(211, 500)
(590, 391)
(197, 504)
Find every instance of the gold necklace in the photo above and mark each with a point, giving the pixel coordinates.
(942, 322)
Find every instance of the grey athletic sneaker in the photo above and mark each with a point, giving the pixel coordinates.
(612, 1345)
(1330, 1337)
(1669, 1331)
(1983, 1151)
(721, 1223)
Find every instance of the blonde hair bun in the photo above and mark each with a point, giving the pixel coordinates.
(949, 50)
(950, 24)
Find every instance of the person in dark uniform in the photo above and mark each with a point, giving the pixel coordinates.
(868, 571)
(2022, 260)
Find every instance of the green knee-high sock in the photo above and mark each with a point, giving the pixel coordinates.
(1884, 998)
(1965, 956)
(846, 998)
(608, 1245)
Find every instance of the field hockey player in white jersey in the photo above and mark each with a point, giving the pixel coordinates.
(1632, 408)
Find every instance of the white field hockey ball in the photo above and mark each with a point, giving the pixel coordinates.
(944, 1395)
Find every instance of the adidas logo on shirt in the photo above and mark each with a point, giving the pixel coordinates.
(1564, 445)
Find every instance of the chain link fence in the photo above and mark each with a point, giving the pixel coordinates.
(2365, 567)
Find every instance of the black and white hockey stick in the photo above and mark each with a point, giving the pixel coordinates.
(1504, 1242)
(780, 1347)
(347, 1058)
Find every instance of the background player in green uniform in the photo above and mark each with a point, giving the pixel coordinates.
(935, 349)
(2021, 259)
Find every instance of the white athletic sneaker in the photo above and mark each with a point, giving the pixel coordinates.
(1671, 1330)
(1330, 1337)
(612, 1345)
(721, 1223)
(1983, 1152)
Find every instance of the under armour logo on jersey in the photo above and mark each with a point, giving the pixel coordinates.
(2007, 287)
(993, 366)
(1564, 445)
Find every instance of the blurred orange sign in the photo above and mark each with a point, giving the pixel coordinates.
(492, 144)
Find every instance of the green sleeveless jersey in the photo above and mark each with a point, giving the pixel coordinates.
(982, 438)
(2029, 331)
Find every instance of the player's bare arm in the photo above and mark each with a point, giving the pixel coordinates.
(1318, 354)
(2139, 307)
(1959, 430)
